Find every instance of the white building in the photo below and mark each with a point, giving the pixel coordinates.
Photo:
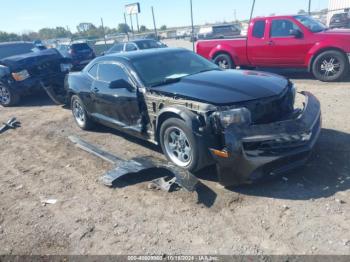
(337, 6)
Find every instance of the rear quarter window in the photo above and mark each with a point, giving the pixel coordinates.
(259, 29)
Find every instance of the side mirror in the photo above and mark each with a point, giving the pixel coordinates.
(296, 33)
(121, 83)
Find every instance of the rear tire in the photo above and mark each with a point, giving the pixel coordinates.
(330, 66)
(8, 97)
(80, 115)
(224, 61)
(179, 144)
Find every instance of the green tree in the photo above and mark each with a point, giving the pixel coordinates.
(123, 28)
(7, 37)
(143, 28)
(163, 27)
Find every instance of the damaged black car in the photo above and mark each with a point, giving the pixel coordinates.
(249, 124)
(25, 68)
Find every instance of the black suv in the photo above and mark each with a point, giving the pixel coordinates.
(341, 20)
(24, 68)
(80, 53)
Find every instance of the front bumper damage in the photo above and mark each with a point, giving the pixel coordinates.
(257, 151)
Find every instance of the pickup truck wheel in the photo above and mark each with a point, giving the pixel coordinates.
(179, 144)
(80, 115)
(8, 97)
(330, 66)
(224, 61)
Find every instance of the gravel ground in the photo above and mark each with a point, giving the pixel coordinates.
(306, 212)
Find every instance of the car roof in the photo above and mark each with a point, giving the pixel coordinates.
(15, 43)
(141, 53)
(276, 16)
(141, 40)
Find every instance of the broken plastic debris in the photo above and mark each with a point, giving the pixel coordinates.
(49, 201)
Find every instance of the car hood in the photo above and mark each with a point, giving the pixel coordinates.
(335, 32)
(226, 87)
(24, 61)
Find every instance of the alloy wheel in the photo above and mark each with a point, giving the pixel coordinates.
(330, 66)
(5, 96)
(223, 63)
(79, 113)
(178, 147)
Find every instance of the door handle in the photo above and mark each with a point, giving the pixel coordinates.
(95, 90)
(270, 43)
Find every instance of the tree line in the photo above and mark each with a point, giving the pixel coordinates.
(84, 30)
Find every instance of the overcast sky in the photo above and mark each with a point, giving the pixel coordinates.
(27, 15)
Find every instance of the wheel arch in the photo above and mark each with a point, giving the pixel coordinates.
(322, 50)
(180, 112)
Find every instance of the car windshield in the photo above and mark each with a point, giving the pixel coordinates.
(312, 24)
(148, 44)
(164, 68)
(7, 50)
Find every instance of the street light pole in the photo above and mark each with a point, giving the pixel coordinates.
(104, 33)
(192, 25)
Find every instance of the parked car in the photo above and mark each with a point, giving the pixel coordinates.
(80, 54)
(140, 44)
(245, 122)
(24, 69)
(341, 20)
(218, 32)
(285, 41)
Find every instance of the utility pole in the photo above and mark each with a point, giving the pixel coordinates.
(154, 23)
(137, 22)
(192, 25)
(126, 23)
(309, 10)
(104, 33)
(252, 12)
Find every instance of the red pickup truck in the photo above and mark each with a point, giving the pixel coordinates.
(284, 41)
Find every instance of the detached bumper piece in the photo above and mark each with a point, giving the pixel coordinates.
(256, 151)
(134, 166)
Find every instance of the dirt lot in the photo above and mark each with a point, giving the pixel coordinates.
(307, 212)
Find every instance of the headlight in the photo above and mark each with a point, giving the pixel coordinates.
(20, 76)
(66, 67)
(235, 116)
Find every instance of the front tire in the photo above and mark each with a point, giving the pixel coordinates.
(8, 97)
(80, 115)
(224, 61)
(330, 66)
(179, 144)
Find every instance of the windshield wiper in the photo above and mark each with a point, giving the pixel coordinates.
(167, 81)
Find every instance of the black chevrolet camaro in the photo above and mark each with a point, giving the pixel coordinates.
(247, 123)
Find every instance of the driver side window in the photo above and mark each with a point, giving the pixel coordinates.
(282, 28)
(111, 72)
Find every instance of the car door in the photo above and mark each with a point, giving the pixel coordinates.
(258, 43)
(287, 44)
(118, 106)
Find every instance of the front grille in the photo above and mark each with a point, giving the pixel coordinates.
(272, 109)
